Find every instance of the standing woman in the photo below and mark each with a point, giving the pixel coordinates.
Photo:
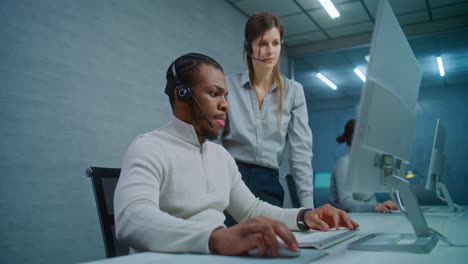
(267, 112)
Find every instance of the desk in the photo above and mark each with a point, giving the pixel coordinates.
(453, 226)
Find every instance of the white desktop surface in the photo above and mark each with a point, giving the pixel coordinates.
(306, 257)
(453, 225)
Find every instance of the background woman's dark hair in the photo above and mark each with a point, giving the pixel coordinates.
(254, 28)
(187, 67)
(347, 135)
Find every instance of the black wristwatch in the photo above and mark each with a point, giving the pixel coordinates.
(300, 220)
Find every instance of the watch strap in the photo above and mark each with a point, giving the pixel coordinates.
(301, 224)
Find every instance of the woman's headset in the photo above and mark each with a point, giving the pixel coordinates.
(248, 50)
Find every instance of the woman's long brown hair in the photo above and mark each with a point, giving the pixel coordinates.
(256, 26)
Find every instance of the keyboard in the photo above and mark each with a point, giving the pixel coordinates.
(322, 240)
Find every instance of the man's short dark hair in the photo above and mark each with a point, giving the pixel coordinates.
(187, 68)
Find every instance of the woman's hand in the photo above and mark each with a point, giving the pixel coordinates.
(386, 207)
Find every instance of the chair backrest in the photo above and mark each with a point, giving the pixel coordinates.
(292, 191)
(104, 182)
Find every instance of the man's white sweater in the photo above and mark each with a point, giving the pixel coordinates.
(172, 192)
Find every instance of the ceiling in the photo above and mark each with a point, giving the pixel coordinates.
(316, 42)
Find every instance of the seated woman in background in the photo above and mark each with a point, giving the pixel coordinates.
(347, 201)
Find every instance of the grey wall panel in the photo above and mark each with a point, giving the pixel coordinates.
(79, 80)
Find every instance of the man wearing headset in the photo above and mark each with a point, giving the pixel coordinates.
(174, 185)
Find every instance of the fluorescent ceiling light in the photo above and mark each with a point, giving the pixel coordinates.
(330, 8)
(360, 74)
(326, 81)
(441, 66)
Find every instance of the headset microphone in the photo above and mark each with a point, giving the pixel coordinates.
(185, 93)
(203, 111)
(257, 59)
(248, 51)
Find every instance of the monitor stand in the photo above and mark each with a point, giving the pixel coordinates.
(423, 240)
(444, 195)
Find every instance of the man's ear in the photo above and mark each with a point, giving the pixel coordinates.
(176, 98)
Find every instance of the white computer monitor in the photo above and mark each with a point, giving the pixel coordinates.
(437, 161)
(436, 170)
(384, 132)
(386, 115)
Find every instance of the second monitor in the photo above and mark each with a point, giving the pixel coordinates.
(436, 170)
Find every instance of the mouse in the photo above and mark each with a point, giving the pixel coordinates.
(283, 252)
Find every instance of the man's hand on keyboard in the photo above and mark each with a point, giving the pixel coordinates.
(326, 217)
(259, 232)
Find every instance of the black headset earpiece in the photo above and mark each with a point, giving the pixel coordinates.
(183, 91)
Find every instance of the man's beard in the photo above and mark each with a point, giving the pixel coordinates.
(210, 135)
(200, 119)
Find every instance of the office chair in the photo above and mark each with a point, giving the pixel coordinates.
(104, 182)
(292, 191)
